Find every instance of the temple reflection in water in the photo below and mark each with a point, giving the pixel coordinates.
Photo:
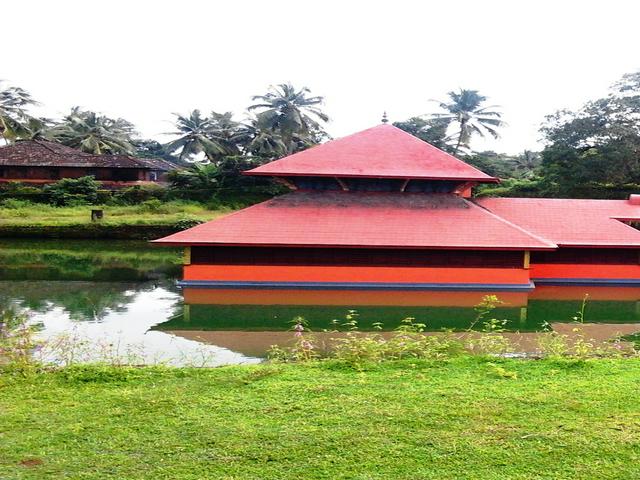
(250, 321)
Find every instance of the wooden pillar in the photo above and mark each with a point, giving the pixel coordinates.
(187, 256)
(527, 259)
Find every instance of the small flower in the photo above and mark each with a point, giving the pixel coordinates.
(306, 345)
(298, 328)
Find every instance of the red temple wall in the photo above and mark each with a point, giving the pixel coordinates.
(349, 274)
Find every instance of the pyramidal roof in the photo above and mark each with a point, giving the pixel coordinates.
(383, 151)
(359, 219)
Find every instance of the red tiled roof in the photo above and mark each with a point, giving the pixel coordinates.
(569, 222)
(350, 219)
(42, 153)
(382, 151)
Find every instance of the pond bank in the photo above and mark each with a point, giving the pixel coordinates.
(465, 418)
(147, 220)
(89, 231)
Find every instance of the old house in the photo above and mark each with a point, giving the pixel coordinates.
(40, 162)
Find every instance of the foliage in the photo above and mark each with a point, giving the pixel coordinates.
(260, 141)
(94, 133)
(199, 136)
(432, 130)
(465, 110)
(14, 119)
(524, 166)
(187, 222)
(291, 115)
(204, 182)
(485, 337)
(17, 344)
(597, 144)
(152, 149)
(139, 193)
(70, 190)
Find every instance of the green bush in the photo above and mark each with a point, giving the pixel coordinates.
(73, 191)
(140, 193)
(20, 191)
(14, 203)
(187, 223)
(153, 205)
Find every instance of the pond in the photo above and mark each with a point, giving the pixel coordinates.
(119, 298)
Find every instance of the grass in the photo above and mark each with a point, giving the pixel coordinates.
(467, 418)
(147, 213)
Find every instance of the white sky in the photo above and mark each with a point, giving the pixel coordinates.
(143, 60)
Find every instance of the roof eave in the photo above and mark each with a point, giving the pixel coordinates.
(486, 179)
(598, 245)
(186, 243)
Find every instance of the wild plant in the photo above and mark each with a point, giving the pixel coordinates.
(491, 339)
(17, 343)
(578, 345)
(304, 348)
(551, 343)
(410, 341)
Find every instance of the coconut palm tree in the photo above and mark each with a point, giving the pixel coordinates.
(198, 136)
(259, 141)
(225, 130)
(34, 128)
(289, 113)
(94, 133)
(526, 164)
(13, 115)
(466, 109)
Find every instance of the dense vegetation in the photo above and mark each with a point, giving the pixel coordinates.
(592, 152)
(464, 418)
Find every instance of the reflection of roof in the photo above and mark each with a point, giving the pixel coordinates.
(41, 153)
(351, 219)
(382, 151)
(569, 222)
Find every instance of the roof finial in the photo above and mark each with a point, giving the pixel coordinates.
(384, 117)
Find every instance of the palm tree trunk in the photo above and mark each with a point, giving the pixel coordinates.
(462, 125)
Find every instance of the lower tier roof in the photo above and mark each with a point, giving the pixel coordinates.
(350, 219)
(571, 222)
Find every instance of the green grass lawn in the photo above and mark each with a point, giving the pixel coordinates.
(465, 419)
(144, 214)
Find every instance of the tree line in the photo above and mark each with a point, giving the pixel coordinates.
(594, 151)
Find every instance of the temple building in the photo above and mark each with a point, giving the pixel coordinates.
(383, 210)
(42, 162)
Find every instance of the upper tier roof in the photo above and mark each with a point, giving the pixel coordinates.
(350, 219)
(570, 222)
(42, 153)
(382, 151)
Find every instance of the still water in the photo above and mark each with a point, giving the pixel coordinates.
(119, 298)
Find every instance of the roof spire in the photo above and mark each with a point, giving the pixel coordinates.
(384, 117)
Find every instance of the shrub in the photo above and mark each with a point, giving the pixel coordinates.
(73, 190)
(140, 193)
(153, 205)
(410, 341)
(17, 344)
(186, 223)
(15, 204)
(20, 191)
